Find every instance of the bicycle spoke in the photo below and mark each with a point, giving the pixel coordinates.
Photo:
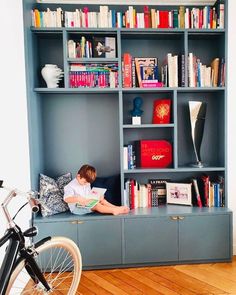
(58, 259)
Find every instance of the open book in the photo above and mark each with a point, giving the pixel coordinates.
(95, 195)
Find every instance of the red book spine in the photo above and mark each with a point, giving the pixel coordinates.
(127, 72)
(131, 193)
(205, 179)
(149, 196)
(164, 19)
(86, 10)
(146, 17)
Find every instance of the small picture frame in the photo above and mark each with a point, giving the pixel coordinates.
(179, 193)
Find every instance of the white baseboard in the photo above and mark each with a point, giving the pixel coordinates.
(234, 249)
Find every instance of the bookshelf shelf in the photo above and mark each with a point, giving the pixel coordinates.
(64, 120)
(180, 169)
(148, 126)
(92, 60)
(76, 90)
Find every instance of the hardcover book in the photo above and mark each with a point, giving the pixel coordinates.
(153, 153)
(161, 111)
(158, 191)
(127, 70)
(146, 69)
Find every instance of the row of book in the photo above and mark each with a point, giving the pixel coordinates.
(143, 71)
(140, 71)
(139, 195)
(94, 47)
(204, 193)
(93, 75)
(208, 17)
(208, 192)
(200, 75)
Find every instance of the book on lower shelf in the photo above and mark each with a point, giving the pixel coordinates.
(137, 195)
(158, 191)
(207, 192)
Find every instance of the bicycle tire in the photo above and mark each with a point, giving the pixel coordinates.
(60, 261)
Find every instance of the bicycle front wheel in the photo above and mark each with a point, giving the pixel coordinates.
(59, 260)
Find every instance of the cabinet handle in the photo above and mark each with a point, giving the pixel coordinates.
(174, 217)
(80, 222)
(181, 217)
(74, 222)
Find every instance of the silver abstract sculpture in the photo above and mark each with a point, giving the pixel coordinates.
(197, 111)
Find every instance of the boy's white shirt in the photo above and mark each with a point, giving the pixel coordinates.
(73, 188)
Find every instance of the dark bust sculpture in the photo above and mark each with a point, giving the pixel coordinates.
(137, 103)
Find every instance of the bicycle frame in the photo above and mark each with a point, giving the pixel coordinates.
(16, 251)
(9, 259)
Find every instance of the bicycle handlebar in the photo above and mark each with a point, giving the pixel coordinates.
(33, 202)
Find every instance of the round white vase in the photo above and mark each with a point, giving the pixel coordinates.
(51, 75)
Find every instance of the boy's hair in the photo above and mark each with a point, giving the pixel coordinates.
(87, 172)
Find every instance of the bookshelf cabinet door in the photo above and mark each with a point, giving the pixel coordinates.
(150, 240)
(205, 237)
(66, 229)
(62, 229)
(100, 242)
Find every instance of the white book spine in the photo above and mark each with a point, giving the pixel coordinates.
(125, 157)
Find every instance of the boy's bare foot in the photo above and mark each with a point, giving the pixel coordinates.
(125, 209)
(120, 210)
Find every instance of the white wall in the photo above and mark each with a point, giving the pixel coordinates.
(14, 153)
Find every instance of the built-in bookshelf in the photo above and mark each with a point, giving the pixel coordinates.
(87, 119)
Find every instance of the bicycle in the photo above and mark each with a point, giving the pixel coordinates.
(53, 265)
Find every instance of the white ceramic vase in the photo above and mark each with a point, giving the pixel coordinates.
(51, 75)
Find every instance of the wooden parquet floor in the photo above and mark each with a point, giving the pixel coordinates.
(207, 279)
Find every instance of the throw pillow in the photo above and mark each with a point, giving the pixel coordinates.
(52, 192)
(112, 184)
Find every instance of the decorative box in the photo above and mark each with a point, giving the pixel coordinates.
(153, 153)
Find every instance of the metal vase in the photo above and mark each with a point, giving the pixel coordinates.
(197, 111)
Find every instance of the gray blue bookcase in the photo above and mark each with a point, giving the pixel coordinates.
(72, 126)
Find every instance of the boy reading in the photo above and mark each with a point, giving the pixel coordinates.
(81, 199)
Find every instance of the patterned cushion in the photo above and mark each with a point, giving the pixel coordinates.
(51, 194)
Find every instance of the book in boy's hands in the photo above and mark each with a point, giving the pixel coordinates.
(90, 205)
(95, 194)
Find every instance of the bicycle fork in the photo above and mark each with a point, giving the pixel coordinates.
(34, 270)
